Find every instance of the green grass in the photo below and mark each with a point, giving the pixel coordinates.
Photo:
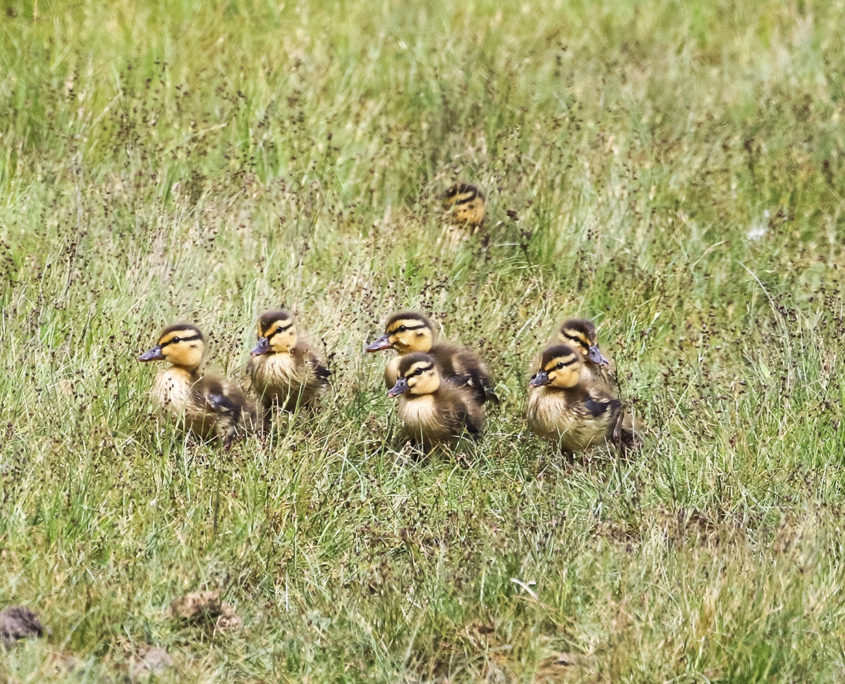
(673, 170)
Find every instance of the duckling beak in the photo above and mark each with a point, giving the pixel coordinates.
(542, 378)
(262, 347)
(153, 354)
(382, 342)
(596, 356)
(400, 387)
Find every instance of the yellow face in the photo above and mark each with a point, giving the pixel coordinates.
(472, 212)
(418, 377)
(564, 371)
(561, 368)
(465, 204)
(577, 337)
(277, 336)
(406, 335)
(182, 345)
(581, 335)
(410, 335)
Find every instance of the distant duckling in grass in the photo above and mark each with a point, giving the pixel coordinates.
(206, 406)
(18, 622)
(433, 410)
(285, 371)
(408, 332)
(466, 204)
(568, 407)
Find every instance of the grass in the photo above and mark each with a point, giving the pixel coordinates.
(672, 170)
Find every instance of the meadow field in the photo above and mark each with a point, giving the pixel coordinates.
(672, 170)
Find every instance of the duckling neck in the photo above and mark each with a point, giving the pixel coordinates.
(419, 346)
(276, 366)
(568, 392)
(278, 357)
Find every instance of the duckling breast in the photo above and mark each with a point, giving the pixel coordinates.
(418, 410)
(551, 416)
(274, 373)
(173, 393)
(171, 390)
(422, 420)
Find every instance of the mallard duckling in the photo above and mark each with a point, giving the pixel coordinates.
(433, 410)
(580, 334)
(466, 204)
(208, 406)
(568, 407)
(408, 332)
(284, 370)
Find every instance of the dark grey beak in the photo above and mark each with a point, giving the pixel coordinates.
(542, 378)
(596, 356)
(382, 342)
(400, 387)
(153, 354)
(262, 347)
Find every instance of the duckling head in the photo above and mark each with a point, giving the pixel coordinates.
(276, 332)
(560, 367)
(418, 375)
(406, 332)
(581, 335)
(465, 203)
(181, 344)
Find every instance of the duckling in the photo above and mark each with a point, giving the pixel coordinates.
(433, 410)
(409, 331)
(206, 406)
(284, 369)
(568, 406)
(580, 334)
(466, 204)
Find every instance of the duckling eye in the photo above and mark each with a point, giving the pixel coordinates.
(559, 365)
(176, 340)
(401, 328)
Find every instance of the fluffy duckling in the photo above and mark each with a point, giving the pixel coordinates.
(570, 408)
(433, 410)
(408, 332)
(580, 334)
(208, 406)
(466, 204)
(284, 370)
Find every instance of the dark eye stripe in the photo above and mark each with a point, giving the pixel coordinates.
(407, 327)
(466, 200)
(180, 339)
(575, 338)
(462, 193)
(557, 361)
(281, 330)
(421, 369)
